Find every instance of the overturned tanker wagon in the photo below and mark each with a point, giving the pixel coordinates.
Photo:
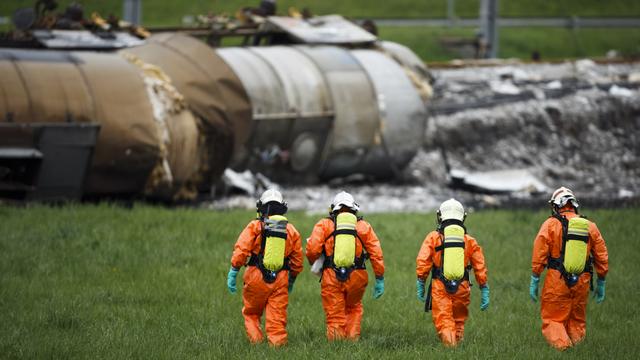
(174, 113)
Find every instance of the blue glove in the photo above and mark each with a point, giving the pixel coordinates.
(484, 300)
(599, 294)
(231, 280)
(378, 289)
(533, 287)
(420, 287)
(292, 279)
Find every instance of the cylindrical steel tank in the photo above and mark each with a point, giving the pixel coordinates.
(292, 109)
(56, 86)
(211, 89)
(402, 114)
(327, 111)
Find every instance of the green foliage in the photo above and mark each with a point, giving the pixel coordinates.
(559, 43)
(103, 281)
(427, 42)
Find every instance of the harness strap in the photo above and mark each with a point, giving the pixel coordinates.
(449, 245)
(583, 238)
(328, 260)
(345, 232)
(436, 273)
(256, 260)
(557, 264)
(263, 238)
(428, 303)
(270, 233)
(358, 264)
(448, 222)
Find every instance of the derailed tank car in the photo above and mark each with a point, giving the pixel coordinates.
(174, 113)
(333, 111)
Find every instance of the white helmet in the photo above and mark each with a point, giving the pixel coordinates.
(344, 199)
(561, 196)
(451, 209)
(271, 195)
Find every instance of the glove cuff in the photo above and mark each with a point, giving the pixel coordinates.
(381, 277)
(234, 269)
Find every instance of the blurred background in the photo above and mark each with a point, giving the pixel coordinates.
(436, 30)
(404, 102)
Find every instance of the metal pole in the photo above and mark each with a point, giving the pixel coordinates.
(489, 26)
(132, 11)
(493, 28)
(451, 11)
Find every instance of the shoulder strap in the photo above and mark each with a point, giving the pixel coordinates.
(565, 226)
(263, 236)
(448, 222)
(445, 245)
(335, 232)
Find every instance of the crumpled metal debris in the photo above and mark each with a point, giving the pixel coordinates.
(578, 135)
(498, 181)
(616, 90)
(246, 182)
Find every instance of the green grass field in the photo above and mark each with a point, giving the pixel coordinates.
(170, 12)
(86, 281)
(552, 43)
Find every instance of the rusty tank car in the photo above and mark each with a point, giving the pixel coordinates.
(174, 112)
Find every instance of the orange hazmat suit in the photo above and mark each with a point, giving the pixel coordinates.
(257, 295)
(342, 301)
(563, 309)
(450, 311)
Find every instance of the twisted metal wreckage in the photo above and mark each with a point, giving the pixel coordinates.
(173, 113)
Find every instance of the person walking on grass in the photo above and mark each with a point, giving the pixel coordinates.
(570, 246)
(270, 247)
(449, 253)
(343, 242)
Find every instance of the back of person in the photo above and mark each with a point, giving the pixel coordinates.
(448, 254)
(345, 242)
(571, 247)
(270, 248)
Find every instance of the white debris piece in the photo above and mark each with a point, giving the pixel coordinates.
(499, 181)
(244, 181)
(504, 87)
(616, 90)
(554, 85)
(516, 73)
(624, 193)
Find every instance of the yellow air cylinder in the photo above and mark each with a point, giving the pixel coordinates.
(453, 268)
(345, 244)
(276, 232)
(575, 253)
